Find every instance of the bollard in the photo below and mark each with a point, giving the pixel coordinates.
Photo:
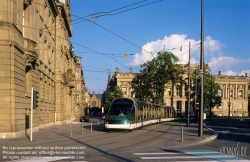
(70, 129)
(98, 125)
(91, 127)
(82, 127)
(181, 133)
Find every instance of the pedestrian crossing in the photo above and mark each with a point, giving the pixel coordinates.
(190, 155)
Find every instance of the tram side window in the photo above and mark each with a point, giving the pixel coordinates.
(133, 114)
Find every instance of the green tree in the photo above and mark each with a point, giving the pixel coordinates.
(150, 82)
(210, 90)
(117, 93)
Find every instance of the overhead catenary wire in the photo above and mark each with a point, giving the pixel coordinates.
(150, 52)
(137, 7)
(96, 71)
(77, 44)
(79, 17)
(122, 38)
(113, 56)
(96, 79)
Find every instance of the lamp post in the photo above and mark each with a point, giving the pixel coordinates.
(229, 103)
(200, 130)
(210, 106)
(189, 90)
(195, 97)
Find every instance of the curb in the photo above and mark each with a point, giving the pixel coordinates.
(207, 139)
(210, 138)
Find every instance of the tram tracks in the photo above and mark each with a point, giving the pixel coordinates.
(127, 146)
(102, 143)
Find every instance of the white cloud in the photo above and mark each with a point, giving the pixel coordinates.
(233, 73)
(229, 72)
(211, 46)
(223, 63)
(173, 44)
(217, 61)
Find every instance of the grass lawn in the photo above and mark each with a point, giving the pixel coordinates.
(192, 120)
(180, 121)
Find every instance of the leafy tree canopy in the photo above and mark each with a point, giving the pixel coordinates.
(211, 88)
(150, 83)
(117, 93)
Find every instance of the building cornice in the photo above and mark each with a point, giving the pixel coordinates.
(62, 11)
(53, 7)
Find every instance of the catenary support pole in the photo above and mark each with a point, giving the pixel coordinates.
(201, 73)
(189, 90)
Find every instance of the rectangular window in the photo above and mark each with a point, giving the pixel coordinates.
(77, 97)
(170, 91)
(240, 94)
(231, 93)
(78, 86)
(124, 91)
(178, 92)
(220, 93)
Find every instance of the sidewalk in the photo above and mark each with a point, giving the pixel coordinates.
(191, 138)
(59, 141)
(62, 132)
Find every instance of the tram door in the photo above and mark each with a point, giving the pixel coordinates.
(179, 108)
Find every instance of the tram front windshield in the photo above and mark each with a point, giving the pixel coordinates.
(120, 109)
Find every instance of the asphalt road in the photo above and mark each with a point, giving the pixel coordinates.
(157, 142)
(233, 142)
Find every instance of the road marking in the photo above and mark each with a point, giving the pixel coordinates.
(212, 155)
(161, 153)
(227, 131)
(213, 161)
(48, 159)
(171, 157)
(198, 155)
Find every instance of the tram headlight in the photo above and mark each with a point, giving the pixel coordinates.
(126, 122)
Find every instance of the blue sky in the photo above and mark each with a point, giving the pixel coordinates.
(141, 28)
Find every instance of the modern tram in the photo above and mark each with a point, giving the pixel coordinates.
(128, 114)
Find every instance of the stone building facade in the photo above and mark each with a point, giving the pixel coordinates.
(36, 52)
(95, 100)
(239, 91)
(123, 80)
(82, 96)
(234, 90)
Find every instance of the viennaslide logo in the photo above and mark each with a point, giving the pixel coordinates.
(234, 151)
